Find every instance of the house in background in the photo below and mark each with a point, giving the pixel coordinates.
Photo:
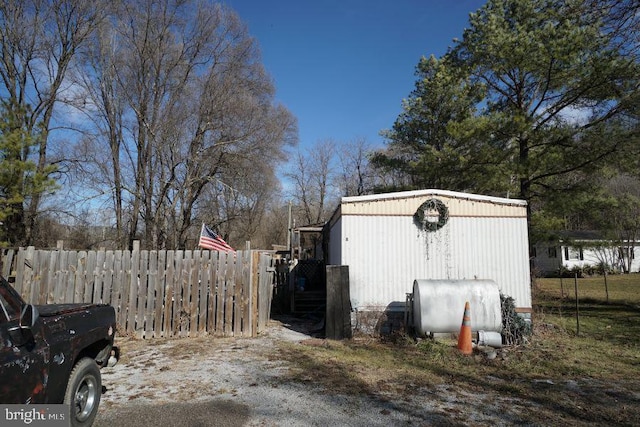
(390, 240)
(579, 250)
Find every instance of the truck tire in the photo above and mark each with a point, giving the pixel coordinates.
(83, 392)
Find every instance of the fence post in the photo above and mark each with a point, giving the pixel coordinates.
(338, 316)
(239, 296)
(133, 288)
(254, 292)
(263, 290)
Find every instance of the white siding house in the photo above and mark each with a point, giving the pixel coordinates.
(389, 240)
(585, 249)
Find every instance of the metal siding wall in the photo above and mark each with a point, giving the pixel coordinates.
(386, 254)
(378, 256)
(458, 206)
(496, 249)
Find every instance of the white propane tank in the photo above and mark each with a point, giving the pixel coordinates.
(490, 339)
(438, 305)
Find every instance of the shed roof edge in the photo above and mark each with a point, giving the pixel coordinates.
(433, 192)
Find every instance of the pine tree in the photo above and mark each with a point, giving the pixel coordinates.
(19, 179)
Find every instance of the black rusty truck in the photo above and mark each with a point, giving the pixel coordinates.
(52, 354)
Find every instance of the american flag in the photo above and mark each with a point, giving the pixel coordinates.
(209, 239)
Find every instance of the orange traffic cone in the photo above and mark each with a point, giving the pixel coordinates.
(464, 339)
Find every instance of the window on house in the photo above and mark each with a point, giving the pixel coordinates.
(573, 254)
(552, 252)
(627, 251)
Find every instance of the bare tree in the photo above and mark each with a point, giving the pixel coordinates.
(250, 204)
(623, 217)
(356, 177)
(183, 107)
(313, 176)
(102, 152)
(275, 226)
(323, 170)
(235, 137)
(39, 40)
(163, 43)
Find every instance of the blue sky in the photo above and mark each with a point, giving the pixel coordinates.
(342, 67)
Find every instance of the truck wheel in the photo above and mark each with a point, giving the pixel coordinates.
(83, 392)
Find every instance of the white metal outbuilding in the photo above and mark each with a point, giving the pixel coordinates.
(390, 240)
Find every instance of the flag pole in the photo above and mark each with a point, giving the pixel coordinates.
(199, 236)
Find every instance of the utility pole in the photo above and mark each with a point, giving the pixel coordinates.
(289, 230)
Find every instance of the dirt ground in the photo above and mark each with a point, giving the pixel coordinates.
(239, 382)
(225, 382)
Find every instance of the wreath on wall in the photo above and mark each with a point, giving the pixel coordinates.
(432, 215)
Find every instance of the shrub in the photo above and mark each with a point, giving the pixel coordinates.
(589, 270)
(515, 329)
(576, 270)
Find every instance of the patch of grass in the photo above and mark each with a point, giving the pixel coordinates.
(607, 346)
(571, 379)
(623, 289)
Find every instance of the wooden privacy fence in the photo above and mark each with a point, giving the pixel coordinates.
(155, 293)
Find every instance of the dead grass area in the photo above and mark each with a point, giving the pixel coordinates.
(528, 385)
(559, 377)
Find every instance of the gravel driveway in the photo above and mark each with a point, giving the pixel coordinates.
(238, 382)
(226, 382)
